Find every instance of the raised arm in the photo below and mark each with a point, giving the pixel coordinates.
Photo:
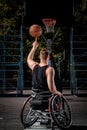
(31, 63)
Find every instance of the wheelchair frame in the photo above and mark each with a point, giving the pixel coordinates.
(58, 109)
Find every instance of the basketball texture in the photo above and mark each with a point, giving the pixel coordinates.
(35, 30)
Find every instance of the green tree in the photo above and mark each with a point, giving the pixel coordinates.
(80, 12)
(10, 14)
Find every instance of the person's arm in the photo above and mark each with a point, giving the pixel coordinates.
(51, 81)
(31, 63)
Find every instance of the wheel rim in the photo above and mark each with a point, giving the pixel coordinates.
(60, 111)
(28, 115)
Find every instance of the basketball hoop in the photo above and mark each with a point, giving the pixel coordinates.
(49, 23)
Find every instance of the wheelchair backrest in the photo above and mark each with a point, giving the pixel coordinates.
(40, 100)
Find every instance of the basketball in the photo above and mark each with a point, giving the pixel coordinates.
(35, 30)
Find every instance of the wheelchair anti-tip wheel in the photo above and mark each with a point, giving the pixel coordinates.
(60, 111)
(28, 115)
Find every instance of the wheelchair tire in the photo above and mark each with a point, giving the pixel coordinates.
(28, 115)
(60, 111)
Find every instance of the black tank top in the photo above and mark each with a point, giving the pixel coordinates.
(39, 80)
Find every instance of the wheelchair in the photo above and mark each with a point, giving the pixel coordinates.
(48, 107)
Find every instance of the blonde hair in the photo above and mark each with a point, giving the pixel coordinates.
(44, 53)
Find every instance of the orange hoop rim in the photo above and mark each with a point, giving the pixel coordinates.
(49, 21)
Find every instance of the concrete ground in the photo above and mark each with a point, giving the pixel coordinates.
(10, 108)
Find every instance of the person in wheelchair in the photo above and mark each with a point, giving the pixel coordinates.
(42, 74)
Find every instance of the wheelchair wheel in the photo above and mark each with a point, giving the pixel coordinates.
(60, 111)
(28, 115)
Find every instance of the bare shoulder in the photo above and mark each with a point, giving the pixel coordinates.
(50, 69)
(32, 64)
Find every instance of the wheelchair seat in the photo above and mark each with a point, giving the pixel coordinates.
(40, 100)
